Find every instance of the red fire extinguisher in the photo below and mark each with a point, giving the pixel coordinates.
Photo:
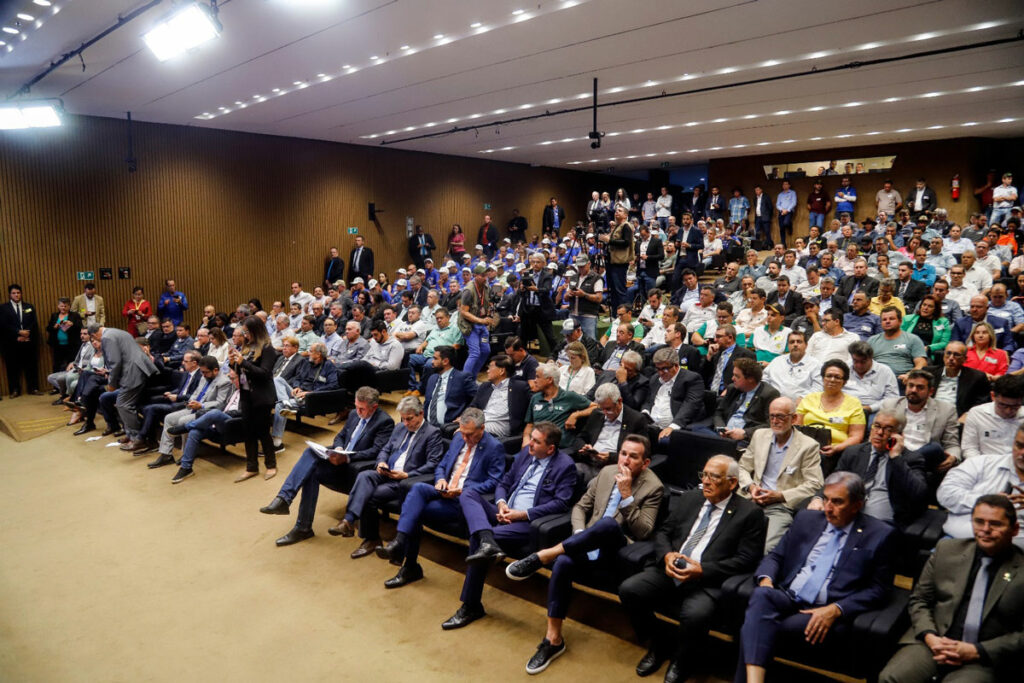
(954, 189)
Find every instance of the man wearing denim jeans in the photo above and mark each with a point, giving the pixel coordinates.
(818, 204)
(475, 320)
(586, 292)
(201, 428)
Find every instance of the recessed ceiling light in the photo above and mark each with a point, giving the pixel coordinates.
(750, 116)
(42, 3)
(374, 57)
(969, 123)
(404, 47)
(296, 82)
(932, 94)
(321, 75)
(783, 112)
(439, 36)
(276, 90)
(720, 120)
(771, 62)
(2, 43)
(238, 101)
(25, 17)
(12, 31)
(346, 66)
(853, 104)
(517, 12)
(475, 24)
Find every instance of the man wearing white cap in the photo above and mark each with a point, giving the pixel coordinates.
(585, 293)
(430, 276)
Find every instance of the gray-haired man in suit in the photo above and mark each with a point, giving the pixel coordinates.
(130, 366)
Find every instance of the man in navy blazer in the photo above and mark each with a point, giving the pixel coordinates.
(829, 568)
(540, 482)
(414, 449)
(457, 388)
(690, 242)
(475, 461)
(364, 435)
(512, 396)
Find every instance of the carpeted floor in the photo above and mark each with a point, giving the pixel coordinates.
(27, 417)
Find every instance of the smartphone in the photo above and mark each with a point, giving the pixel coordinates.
(384, 466)
(890, 443)
(680, 563)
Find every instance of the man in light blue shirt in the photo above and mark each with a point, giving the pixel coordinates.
(785, 204)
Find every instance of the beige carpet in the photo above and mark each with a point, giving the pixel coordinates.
(27, 417)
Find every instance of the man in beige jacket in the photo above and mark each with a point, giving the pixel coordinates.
(90, 306)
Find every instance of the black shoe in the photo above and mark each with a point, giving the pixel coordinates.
(524, 568)
(485, 553)
(119, 433)
(35, 392)
(182, 474)
(545, 654)
(109, 431)
(162, 459)
(649, 663)
(279, 447)
(54, 392)
(392, 551)
(294, 536)
(58, 402)
(405, 575)
(146, 447)
(278, 506)
(177, 430)
(85, 428)
(674, 673)
(15, 394)
(464, 616)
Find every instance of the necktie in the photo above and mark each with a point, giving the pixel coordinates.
(872, 471)
(821, 569)
(184, 385)
(401, 450)
(438, 401)
(460, 468)
(975, 608)
(17, 307)
(698, 534)
(203, 392)
(522, 482)
(903, 289)
(356, 434)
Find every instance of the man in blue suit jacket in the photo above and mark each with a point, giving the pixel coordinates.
(364, 435)
(540, 482)
(415, 448)
(452, 389)
(829, 568)
(475, 462)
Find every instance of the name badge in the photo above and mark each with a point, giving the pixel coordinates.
(990, 360)
(836, 420)
(897, 347)
(865, 328)
(999, 330)
(791, 469)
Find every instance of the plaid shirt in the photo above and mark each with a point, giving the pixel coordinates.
(739, 207)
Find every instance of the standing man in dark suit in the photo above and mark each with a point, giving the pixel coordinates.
(539, 310)
(709, 535)
(828, 569)
(487, 237)
(722, 354)
(475, 461)
(360, 261)
(921, 199)
(967, 608)
(553, 220)
(334, 268)
(761, 207)
(449, 391)
(965, 387)
(605, 430)
(540, 482)
(649, 254)
(690, 243)
(715, 204)
(414, 449)
(421, 246)
(363, 437)
(696, 203)
(677, 398)
(19, 341)
(130, 367)
(620, 506)
(517, 226)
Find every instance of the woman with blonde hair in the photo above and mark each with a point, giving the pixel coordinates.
(982, 354)
(577, 376)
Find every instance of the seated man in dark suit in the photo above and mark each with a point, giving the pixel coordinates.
(187, 381)
(540, 482)
(619, 507)
(710, 534)
(689, 355)
(161, 341)
(962, 386)
(475, 461)
(633, 385)
(967, 606)
(743, 408)
(786, 299)
(316, 374)
(449, 391)
(828, 569)
(607, 425)
(364, 435)
(414, 448)
(526, 364)
(615, 349)
(182, 343)
(676, 398)
(722, 353)
(504, 400)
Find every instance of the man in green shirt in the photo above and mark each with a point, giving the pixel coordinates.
(901, 351)
(445, 334)
(550, 403)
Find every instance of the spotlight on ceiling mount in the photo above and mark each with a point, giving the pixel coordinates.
(184, 29)
(31, 114)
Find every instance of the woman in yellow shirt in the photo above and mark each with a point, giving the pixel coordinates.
(841, 413)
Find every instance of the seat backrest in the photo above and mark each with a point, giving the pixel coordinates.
(710, 403)
(823, 435)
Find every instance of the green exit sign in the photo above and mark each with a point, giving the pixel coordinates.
(487, 207)
(353, 231)
(86, 275)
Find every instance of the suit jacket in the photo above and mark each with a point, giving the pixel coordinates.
(793, 307)
(655, 254)
(491, 232)
(461, 390)
(424, 450)
(863, 574)
(845, 287)
(690, 358)
(904, 478)
(696, 207)
(218, 393)
(78, 306)
(756, 416)
(260, 378)
(484, 471)
(414, 248)
(291, 370)
(636, 519)
(309, 377)
(9, 324)
(609, 349)
(554, 493)
(543, 283)
(371, 440)
(719, 201)
(129, 364)
(518, 402)
(712, 363)
(767, 207)
(548, 219)
(160, 344)
(365, 264)
(633, 391)
(178, 376)
(73, 333)
(915, 292)
(972, 387)
(940, 421)
(800, 476)
(943, 585)
(334, 270)
(687, 399)
(691, 257)
(840, 304)
(734, 548)
(928, 201)
(632, 423)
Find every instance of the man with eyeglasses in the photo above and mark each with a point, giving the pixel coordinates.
(962, 386)
(695, 552)
(959, 291)
(989, 428)
(722, 354)
(743, 408)
(780, 469)
(676, 399)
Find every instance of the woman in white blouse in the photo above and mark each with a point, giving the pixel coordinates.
(578, 376)
(219, 346)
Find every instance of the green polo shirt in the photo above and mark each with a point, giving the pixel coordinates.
(449, 336)
(557, 410)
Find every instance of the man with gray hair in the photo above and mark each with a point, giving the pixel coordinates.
(606, 427)
(130, 367)
(282, 329)
(414, 448)
(551, 403)
(829, 568)
(676, 399)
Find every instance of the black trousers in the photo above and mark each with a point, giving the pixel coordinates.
(258, 420)
(23, 358)
(62, 355)
(534, 324)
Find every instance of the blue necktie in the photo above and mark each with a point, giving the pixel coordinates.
(355, 435)
(698, 534)
(184, 386)
(401, 449)
(203, 392)
(976, 606)
(609, 511)
(822, 568)
(522, 481)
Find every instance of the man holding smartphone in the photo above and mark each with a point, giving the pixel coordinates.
(172, 304)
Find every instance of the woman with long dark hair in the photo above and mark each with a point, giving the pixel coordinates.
(456, 243)
(254, 365)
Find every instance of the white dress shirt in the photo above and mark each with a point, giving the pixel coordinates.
(718, 509)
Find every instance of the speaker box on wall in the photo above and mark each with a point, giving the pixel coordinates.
(372, 212)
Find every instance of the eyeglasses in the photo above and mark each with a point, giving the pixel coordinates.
(884, 429)
(834, 378)
(663, 368)
(779, 416)
(954, 354)
(710, 475)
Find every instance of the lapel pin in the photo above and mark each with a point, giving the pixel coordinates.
(1007, 576)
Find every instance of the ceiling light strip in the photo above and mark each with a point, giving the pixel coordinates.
(16, 32)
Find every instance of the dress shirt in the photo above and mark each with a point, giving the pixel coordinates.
(718, 381)
(738, 419)
(819, 547)
(439, 406)
(825, 346)
(797, 275)
(717, 510)
(793, 380)
(946, 391)
(306, 339)
(690, 297)
(747, 321)
(773, 465)
(916, 434)
(525, 491)
(877, 503)
(786, 201)
(985, 433)
(661, 410)
(874, 386)
(970, 479)
(615, 360)
(404, 450)
(333, 344)
(608, 440)
(496, 412)
(303, 299)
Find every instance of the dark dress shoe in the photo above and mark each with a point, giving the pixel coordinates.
(163, 459)
(407, 574)
(464, 616)
(177, 429)
(649, 663)
(119, 433)
(487, 552)
(58, 402)
(54, 392)
(344, 528)
(108, 431)
(85, 428)
(393, 552)
(294, 536)
(675, 673)
(15, 394)
(365, 548)
(131, 445)
(35, 392)
(143, 448)
(278, 506)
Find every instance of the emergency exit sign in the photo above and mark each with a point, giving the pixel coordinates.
(86, 275)
(353, 231)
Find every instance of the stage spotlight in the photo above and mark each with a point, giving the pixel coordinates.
(183, 30)
(38, 114)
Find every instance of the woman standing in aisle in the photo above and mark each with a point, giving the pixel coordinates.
(254, 365)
